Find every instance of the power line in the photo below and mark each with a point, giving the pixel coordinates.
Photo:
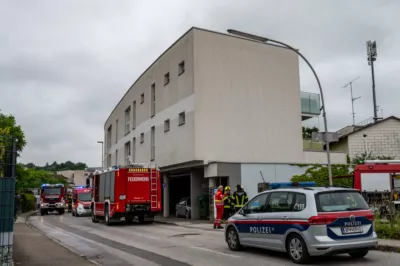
(353, 99)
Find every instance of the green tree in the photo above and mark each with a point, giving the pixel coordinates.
(307, 132)
(319, 174)
(9, 127)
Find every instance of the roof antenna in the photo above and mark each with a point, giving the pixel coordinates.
(353, 99)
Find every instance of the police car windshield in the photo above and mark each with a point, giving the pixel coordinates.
(85, 197)
(51, 191)
(340, 201)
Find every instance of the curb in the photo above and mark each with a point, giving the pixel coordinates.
(188, 227)
(57, 241)
(387, 248)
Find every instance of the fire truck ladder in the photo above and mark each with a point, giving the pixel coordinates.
(154, 189)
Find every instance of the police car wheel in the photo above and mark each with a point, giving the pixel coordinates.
(297, 249)
(359, 254)
(232, 238)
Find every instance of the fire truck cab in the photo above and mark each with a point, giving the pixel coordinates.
(52, 198)
(126, 193)
(81, 201)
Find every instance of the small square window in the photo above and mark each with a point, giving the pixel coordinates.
(141, 137)
(142, 98)
(166, 79)
(166, 125)
(181, 68)
(182, 118)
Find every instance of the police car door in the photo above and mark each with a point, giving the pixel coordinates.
(276, 219)
(250, 227)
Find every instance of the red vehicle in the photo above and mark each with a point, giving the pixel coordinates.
(126, 193)
(378, 180)
(81, 201)
(52, 198)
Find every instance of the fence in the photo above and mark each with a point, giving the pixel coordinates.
(8, 156)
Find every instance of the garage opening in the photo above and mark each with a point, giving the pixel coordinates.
(179, 188)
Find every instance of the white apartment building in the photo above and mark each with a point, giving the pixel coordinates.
(215, 109)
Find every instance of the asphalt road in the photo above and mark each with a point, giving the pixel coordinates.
(168, 245)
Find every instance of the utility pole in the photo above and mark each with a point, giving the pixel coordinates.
(372, 54)
(352, 98)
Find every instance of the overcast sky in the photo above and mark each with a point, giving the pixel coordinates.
(64, 65)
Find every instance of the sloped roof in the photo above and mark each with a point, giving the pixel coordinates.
(369, 126)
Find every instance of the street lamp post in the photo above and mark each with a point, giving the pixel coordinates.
(102, 153)
(265, 40)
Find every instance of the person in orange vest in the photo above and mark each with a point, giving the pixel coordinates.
(219, 206)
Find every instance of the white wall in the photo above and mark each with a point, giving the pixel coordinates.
(314, 157)
(250, 175)
(172, 147)
(383, 139)
(247, 103)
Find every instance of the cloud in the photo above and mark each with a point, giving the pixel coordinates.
(65, 65)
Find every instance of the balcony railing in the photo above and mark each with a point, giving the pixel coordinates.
(310, 103)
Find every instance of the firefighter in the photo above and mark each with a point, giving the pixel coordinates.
(240, 197)
(219, 206)
(69, 201)
(228, 203)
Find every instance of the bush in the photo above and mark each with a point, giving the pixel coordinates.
(28, 202)
(389, 230)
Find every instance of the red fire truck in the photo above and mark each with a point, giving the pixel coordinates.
(81, 201)
(125, 193)
(52, 198)
(378, 180)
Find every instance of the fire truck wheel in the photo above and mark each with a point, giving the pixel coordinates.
(141, 219)
(61, 212)
(107, 218)
(94, 218)
(42, 212)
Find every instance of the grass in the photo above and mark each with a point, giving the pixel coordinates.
(387, 230)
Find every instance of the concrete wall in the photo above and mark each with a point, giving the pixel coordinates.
(247, 101)
(196, 183)
(172, 147)
(76, 176)
(250, 175)
(314, 157)
(383, 139)
(340, 146)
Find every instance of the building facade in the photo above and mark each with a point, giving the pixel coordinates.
(207, 107)
(380, 139)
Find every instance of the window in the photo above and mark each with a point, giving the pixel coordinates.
(257, 205)
(153, 99)
(128, 153)
(300, 202)
(116, 157)
(141, 138)
(181, 68)
(182, 118)
(166, 125)
(134, 115)
(280, 202)
(109, 137)
(340, 201)
(166, 79)
(142, 98)
(133, 150)
(116, 131)
(152, 145)
(128, 120)
(109, 161)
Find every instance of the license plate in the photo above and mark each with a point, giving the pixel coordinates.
(352, 230)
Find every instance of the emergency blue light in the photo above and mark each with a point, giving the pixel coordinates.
(292, 184)
(115, 167)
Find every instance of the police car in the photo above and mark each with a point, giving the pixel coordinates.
(304, 221)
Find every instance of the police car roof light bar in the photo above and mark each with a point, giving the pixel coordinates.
(291, 184)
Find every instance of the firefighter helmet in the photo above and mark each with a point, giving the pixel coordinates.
(227, 188)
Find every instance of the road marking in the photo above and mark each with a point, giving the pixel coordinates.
(215, 252)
